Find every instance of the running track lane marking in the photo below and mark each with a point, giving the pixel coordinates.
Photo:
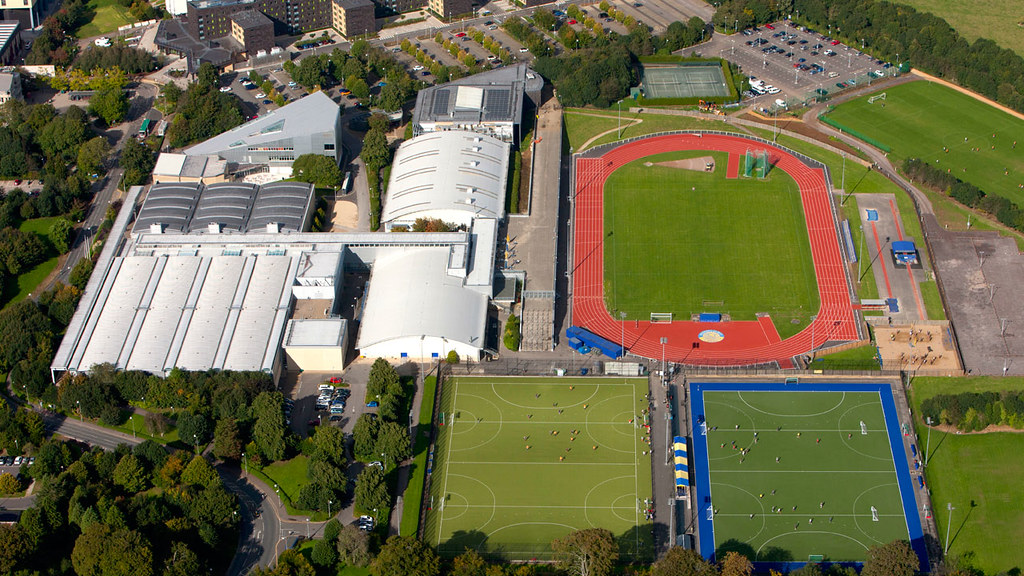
(878, 244)
(895, 219)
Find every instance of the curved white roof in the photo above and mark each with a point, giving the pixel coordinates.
(412, 295)
(443, 174)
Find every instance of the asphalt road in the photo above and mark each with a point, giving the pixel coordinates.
(259, 526)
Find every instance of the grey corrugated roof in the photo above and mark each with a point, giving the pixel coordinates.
(7, 30)
(282, 203)
(224, 203)
(311, 114)
(503, 95)
(169, 204)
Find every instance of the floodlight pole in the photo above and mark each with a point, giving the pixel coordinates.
(860, 258)
(842, 183)
(622, 332)
(949, 506)
(928, 442)
(664, 340)
(813, 318)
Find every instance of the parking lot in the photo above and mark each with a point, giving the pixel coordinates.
(801, 63)
(658, 14)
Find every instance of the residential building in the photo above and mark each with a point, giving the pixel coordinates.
(10, 41)
(353, 17)
(253, 31)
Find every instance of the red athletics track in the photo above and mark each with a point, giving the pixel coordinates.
(748, 342)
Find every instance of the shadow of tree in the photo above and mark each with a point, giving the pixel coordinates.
(637, 543)
(463, 539)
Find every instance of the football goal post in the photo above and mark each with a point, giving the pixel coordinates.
(863, 428)
(872, 99)
(874, 514)
(762, 164)
(661, 317)
(748, 163)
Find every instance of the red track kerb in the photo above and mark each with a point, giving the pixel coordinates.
(745, 342)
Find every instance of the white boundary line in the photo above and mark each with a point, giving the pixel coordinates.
(447, 464)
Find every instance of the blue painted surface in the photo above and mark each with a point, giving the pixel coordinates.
(702, 473)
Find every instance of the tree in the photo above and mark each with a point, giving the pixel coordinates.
(171, 93)
(354, 546)
(736, 564)
(101, 551)
(469, 563)
(329, 442)
(9, 484)
(269, 430)
(182, 561)
(137, 160)
(227, 442)
(80, 273)
(62, 136)
(590, 552)
(364, 437)
(382, 377)
(109, 103)
(14, 545)
(157, 423)
(130, 475)
(207, 76)
(375, 153)
(359, 88)
(91, 155)
(324, 553)
(289, 563)
(371, 494)
(193, 429)
(392, 443)
(896, 558)
(682, 562)
(198, 472)
(60, 234)
(405, 556)
(321, 171)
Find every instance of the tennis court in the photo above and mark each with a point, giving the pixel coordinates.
(684, 81)
(788, 473)
(522, 461)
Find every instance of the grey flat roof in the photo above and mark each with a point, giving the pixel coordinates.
(169, 204)
(350, 4)
(224, 203)
(249, 19)
(282, 203)
(7, 30)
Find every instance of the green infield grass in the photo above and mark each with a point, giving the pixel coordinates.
(810, 482)
(979, 474)
(947, 129)
(686, 241)
(520, 462)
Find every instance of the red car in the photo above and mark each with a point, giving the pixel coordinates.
(769, 26)
(335, 380)
(460, 34)
(835, 42)
(572, 21)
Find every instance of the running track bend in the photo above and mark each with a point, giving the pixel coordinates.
(745, 342)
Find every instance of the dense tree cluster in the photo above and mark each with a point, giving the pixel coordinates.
(30, 329)
(95, 513)
(137, 159)
(999, 207)
(317, 169)
(973, 411)
(56, 43)
(376, 154)
(357, 69)
(326, 471)
(888, 30)
(202, 110)
(37, 142)
(130, 60)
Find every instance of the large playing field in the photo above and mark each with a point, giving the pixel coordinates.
(799, 472)
(920, 119)
(522, 461)
(688, 241)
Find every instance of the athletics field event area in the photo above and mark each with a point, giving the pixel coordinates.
(791, 473)
(776, 287)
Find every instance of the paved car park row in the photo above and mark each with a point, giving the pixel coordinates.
(798, 61)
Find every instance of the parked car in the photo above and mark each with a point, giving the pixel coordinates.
(260, 95)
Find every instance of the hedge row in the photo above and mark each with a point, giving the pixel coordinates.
(973, 411)
(1002, 209)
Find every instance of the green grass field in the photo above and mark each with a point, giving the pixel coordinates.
(822, 492)
(583, 124)
(109, 17)
(670, 248)
(994, 19)
(980, 475)
(920, 118)
(522, 461)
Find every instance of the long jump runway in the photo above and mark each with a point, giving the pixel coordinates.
(744, 342)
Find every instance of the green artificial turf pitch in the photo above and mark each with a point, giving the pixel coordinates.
(920, 118)
(506, 500)
(847, 471)
(686, 241)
